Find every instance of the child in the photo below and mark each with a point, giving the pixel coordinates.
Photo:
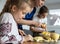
(41, 17)
(13, 11)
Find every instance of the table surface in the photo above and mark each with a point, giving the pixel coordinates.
(41, 43)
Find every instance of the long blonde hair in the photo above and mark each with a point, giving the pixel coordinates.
(10, 3)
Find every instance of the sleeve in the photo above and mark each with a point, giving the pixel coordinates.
(4, 18)
(5, 27)
(10, 25)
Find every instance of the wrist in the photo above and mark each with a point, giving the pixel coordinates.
(24, 40)
(36, 24)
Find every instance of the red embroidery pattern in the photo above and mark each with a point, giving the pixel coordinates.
(5, 28)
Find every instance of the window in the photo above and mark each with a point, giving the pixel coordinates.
(54, 17)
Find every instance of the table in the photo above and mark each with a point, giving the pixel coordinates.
(31, 43)
(41, 43)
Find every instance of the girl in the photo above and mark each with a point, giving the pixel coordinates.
(41, 18)
(13, 11)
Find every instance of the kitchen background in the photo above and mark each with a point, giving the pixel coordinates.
(53, 19)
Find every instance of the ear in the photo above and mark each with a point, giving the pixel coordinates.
(14, 8)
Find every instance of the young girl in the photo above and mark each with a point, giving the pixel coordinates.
(13, 11)
(41, 18)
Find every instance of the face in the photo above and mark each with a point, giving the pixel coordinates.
(19, 13)
(43, 15)
(39, 2)
(22, 12)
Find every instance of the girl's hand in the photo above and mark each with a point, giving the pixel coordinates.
(22, 33)
(43, 25)
(28, 38)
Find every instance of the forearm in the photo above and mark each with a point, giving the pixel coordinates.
(28, 22)
(36, 30)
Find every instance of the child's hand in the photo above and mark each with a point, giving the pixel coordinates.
(28, 38)
(43, 25)
(21, 32)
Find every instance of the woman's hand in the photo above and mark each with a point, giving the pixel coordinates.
(21, 32)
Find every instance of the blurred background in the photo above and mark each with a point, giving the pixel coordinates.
(53, 19)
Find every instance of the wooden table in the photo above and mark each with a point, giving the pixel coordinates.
(31, 43)
(41, 43)
(35, 42)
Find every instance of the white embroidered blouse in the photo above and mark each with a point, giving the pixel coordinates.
(8, 27)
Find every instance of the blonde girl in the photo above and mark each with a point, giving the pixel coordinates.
(10, 15)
